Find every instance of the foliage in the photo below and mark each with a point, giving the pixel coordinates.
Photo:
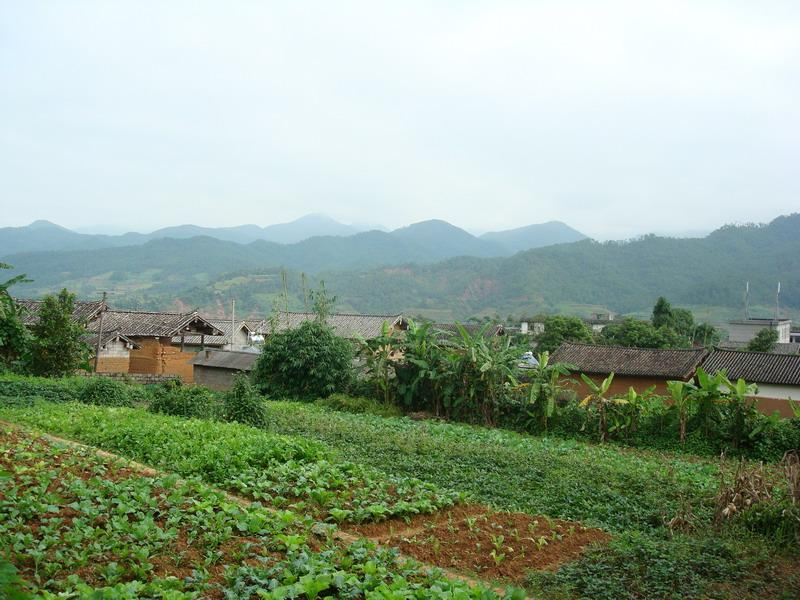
(559, 329)
(14, 336)
(764, 341)
(275, 469)
(598, 400)
(58, 348)
(308, 361)
(243, 404)
(545, 383)
(633, 333)
(358, 405)
(378, 354)
(104, 391)
(173, 398)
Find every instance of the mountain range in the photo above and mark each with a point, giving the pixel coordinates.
(45, 236)
(433, 266)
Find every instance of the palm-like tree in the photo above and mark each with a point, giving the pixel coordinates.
(598, 397)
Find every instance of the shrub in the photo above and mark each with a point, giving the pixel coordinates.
(779, 521)
(104, 392)
(359, 405)
(243, 404)
(66, 389)
(172, 398)
(307, 362)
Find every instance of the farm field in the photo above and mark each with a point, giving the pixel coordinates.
(561, 518)
(75, 524)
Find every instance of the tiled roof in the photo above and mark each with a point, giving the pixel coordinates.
(634, 362)
(83, 311)
(221, 359)
(224, 325)
(108, 336)
(778, 348)
(135, 323)
(755, 367)
(344, 324)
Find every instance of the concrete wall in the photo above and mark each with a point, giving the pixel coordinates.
(775, 397)
(215, 378)
(744, 332)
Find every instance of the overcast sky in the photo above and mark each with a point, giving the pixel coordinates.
(618, 118)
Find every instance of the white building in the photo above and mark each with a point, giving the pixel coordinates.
(745, 330)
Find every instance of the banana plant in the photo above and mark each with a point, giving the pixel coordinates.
(741, 410)
(709, 398)
(682, 394)
(625, 416)
(544, 388)
(598, 398)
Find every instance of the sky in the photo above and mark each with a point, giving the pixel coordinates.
(618, 118)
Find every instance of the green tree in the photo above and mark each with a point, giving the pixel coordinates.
(309, 361)
(559, 329)
(57, 348)
(764, 341)
(598, 398)
(706, 335)
(680, 320)
(633, 333)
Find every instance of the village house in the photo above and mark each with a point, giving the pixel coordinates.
(151, 334)
(639, 368)
(236, 336)
(216, 369)
(776, 375)
(744, 330)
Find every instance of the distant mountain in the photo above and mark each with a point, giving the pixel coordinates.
(377, 272)
(534, 236)
(44, 235)
(307, 227)
(623, 276)
(445, 240)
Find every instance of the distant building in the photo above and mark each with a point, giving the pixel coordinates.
(598, 321)
(744, 330)
(114, 351)
(216, 369)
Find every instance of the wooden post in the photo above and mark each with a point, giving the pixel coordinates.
(99, 335)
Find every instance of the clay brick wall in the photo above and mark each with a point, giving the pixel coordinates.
(113, 364)
(156, 356)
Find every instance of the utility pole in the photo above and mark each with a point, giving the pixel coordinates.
(233, 320)
(99, 334)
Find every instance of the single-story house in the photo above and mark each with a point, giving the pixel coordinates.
(246, 332)
(83, 311)
(776, 375)
(114, 351)
(639, 368)
(152, 333)
(217, 368)
(347, 325)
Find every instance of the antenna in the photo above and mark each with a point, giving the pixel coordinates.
(778, 303)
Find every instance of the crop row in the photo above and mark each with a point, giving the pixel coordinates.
(280, 470)
(72, 523)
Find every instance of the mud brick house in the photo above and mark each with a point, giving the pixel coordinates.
(151, 333)
(777, 376)
(83, 312)
(639, 368)
(236, 339)
(115, 351)
(347, 325)
(217, 368)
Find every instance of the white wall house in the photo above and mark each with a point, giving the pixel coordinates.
(745, 330)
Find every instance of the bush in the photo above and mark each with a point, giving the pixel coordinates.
(67, 389)
(243, 404)
(359, 405)
(307, 362)
(105, 392)
(172, 398)
(777, 520)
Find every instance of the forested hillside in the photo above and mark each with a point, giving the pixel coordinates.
(623, 276)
